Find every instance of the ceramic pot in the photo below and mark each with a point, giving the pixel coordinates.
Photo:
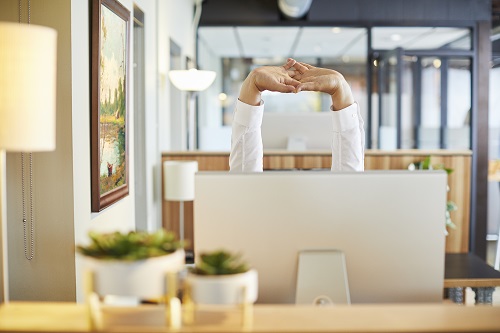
(223, 289)
(142, 278)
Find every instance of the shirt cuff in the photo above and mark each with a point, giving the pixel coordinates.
(248, 115)
(345, 118)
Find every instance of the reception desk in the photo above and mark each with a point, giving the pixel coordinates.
(69, 317)
(459, 180)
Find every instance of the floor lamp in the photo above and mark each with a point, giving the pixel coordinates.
(192, 81)
(178, 185)
(27, 106)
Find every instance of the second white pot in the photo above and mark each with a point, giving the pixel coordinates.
(224, 289)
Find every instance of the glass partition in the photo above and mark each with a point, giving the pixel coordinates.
(421, 89)
(234, 51)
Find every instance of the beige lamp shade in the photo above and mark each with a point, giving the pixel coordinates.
(27, 87)
(191, 79)
(178, 180)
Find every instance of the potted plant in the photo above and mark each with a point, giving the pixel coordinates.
(132, 264)
(221, 277)
(450, 205)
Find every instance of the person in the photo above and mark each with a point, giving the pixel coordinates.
(347, 124)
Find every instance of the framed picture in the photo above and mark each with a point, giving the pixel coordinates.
(109, 103)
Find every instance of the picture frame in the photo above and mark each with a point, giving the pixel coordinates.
(109, 103)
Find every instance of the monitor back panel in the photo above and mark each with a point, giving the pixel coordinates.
(389, 224)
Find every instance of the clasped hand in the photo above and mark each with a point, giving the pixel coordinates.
(294, 77)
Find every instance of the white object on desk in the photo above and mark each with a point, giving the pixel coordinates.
(314, 127)
(296, 143)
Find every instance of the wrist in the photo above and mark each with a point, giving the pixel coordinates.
(249, 93)
(342, 97)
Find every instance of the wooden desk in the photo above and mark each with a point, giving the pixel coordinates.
(69, 317)
(468, 270)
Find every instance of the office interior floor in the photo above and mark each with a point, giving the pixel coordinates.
(490, 258)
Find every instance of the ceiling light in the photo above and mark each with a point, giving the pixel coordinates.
(436, 63)
(336, 30)
(222, 97)
(294, 9)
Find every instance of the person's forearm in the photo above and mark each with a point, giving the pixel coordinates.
(246, 141)
(348, 140)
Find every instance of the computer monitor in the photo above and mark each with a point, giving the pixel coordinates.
(389, 225)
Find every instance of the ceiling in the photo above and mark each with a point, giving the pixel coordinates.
(324, 42)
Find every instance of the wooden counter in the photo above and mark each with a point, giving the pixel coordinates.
(69, 317)
(459, 180)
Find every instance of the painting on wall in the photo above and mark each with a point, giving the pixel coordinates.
(109, 103)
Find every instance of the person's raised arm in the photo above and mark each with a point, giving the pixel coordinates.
(246, 140)
(348, 132)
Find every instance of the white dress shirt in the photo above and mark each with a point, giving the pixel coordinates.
(246, 141)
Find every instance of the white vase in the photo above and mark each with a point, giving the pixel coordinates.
(224, 289)
(142, 278)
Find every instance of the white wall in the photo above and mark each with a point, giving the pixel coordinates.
(119, 216)
(62, 178)
(163, 20)
(174, 22)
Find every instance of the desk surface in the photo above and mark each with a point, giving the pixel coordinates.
(468, 270)
(69, 317)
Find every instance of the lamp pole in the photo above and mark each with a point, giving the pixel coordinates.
(191, 120)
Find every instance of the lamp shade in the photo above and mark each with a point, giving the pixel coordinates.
(178, 180)
(27, 87)
(191, 79)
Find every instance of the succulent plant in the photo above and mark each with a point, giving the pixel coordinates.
(220, 262)
(134, 245)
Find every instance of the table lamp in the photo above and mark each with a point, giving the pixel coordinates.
(27, 106)
(192, 81)
(178, 185)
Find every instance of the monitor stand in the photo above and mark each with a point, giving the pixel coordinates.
(322, 278)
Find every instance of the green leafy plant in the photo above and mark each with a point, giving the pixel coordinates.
(130, 246)
(220, 262)
(427, 165)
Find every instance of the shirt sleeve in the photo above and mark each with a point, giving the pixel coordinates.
(348, 146)
(246, 139)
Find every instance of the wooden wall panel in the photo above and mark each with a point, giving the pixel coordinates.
(459, 182)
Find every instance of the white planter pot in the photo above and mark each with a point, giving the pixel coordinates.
(142, 278)
(224, 289)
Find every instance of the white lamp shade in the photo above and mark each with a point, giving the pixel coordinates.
(192, 79)
(178, 180)
(27, 87)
